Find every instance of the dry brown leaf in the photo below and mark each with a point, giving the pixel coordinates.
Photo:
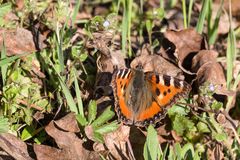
(45, 152)
(212, 72)
(67, 141)
(5, 156)
(175, 20)
(68, 123)
(181, 46)
(89, 132)
(117, 59)
(202, 57)
(155, 63)
(11, 17)
(116, 142)
(14, 147)
(176, 137)
(216, 153)
(234, 4)
(20, 4)
(19, 41)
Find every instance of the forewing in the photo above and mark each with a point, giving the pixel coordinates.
(120, 82)
(167, 90)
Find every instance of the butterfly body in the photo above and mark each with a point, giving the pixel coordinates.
(142, 98)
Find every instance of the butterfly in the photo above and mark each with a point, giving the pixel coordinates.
(142, 98)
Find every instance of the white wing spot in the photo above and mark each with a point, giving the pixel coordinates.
(161, 80)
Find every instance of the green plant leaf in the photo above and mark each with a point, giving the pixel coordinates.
(4, 125)
(203, 128)
(104, 117)
(81, 120)
(8, 60)
(171, 154)
(151, 147)
(41, 137)
(187, 151)
(72, 105)
(177, 110)
(216, 105)
(98, 137)
(182, 124)
(163, 155)
(27, 133)
(92, 111)
(220, 137)
(178, 150)
(107, 128)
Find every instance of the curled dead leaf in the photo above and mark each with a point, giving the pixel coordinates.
(14, 147)
(181, 46)
(202, 57)
(155, 63)
(116, 142)
(67, 141)
(212, 72)
(48, 153)
(68, 123)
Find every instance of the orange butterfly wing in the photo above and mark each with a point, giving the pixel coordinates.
(120, 81)
(166, 91)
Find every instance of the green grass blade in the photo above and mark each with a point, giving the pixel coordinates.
(213, 31)
(190, 11)
(162, 4)
(231, 52)
(78, 94)
(8, 60)
(209, 17)
(231, 55)
(129, 17)
(184, 13)
(59, 49)
(68, 96)
(202, 16)
(4, 67)
(124, 28)
(75, 11)
(70, 101)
